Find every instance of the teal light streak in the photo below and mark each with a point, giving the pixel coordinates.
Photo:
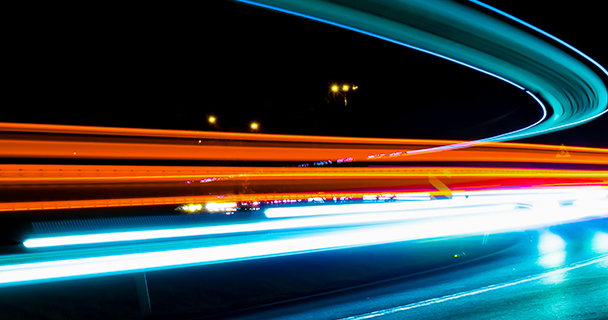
(559, 41)
(460, 33)
(542, 32)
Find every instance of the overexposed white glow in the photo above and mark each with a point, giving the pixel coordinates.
(547, 198)
(551, 254)
(221, 206)
(310, 222)
(599, 242)
(300, 243)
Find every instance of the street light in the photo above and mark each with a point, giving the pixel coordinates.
(343, 89)
(211, 119)
(254, 126)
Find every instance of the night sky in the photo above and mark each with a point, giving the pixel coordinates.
(171, 66)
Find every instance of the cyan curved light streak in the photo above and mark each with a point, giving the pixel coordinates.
(460, 34)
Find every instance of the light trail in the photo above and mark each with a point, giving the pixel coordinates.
(460, 199)
(474, 191)
(521, 67)
(346, 218)
(73, 174)
(391, 148)
(15, 273)
(314, 182)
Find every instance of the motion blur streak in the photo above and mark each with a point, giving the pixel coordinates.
(378, 216)
(462, 199)
(575, 93)
(469, 203)
(187, 145)
(329, 182)
(542, 32)
(101, 263)
(70, 174)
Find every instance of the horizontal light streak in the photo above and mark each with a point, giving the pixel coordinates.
(338, 209)
(378, 216)
(452, 226)
(212, 135)
(42, 174)
(181, 200)
(207, 135)
(462, 198)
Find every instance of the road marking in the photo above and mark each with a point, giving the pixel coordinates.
(493, 287)
(443, 189)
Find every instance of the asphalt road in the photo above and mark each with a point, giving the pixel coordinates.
(556, 273)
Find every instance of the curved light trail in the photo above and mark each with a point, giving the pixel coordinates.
(457, 33)
(469, 201)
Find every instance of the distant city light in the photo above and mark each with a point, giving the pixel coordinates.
(254, 126)
(345, 87)
(216, 207)
(335, 88)
(192, 207)
(211, 119)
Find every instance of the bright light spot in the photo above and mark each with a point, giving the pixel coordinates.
(345, 88)
(254, 125)
(551, 250)
(599, 242)
(335, 88)
(192, 208)
(211, 119)
(215, 207)
(550, 242)
(355, 87)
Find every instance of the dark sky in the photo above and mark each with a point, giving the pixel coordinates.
(171, 66)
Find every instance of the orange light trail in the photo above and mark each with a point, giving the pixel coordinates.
(92, 174)
(102, 143)
(130, 202)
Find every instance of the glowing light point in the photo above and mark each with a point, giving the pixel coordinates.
(335, 88)
(254, 126)
(345, 88)
(211, 119)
